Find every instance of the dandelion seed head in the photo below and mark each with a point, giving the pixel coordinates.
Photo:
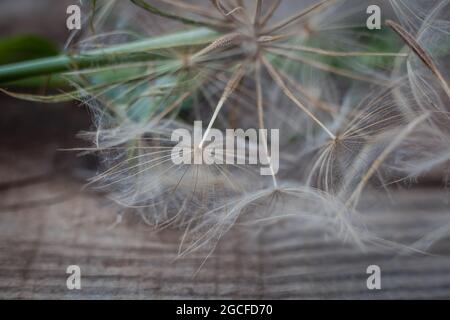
(365, 111)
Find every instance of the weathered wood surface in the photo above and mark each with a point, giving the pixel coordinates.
(50, 224)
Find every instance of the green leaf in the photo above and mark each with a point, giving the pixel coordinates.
(25, 47)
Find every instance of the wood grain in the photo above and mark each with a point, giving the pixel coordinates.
(49, 224)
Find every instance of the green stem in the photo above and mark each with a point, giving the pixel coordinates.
(51, 65)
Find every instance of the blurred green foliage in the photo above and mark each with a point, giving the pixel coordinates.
(25, 47)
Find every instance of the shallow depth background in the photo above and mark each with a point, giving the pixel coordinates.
(47, 222)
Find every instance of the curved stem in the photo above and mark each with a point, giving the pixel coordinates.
(421, 53)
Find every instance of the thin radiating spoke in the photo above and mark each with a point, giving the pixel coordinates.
(296, 17)
(260, 107)
(336, 53)
(229, 89)
(279, 80)
(331, 69)
(270, 12)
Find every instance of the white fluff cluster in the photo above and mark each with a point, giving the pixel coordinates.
(357, 109)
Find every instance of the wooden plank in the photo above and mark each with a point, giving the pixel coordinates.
(48, 223)
(131, 260)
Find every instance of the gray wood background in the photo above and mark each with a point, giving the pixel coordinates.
(48, 223)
